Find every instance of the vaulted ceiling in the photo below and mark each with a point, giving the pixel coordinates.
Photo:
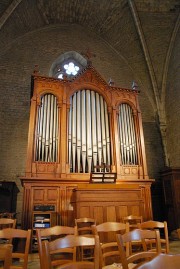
(140, 30)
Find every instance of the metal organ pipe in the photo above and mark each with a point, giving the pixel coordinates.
(127, 135)
(55, 130)
(107, 134)
(78, 131)
(70, 135)
(104, 144)
(51, 128)
(92, 131)
(47, 130)
(89, 130)
(99, 139)
(83, 121)
(74, 132)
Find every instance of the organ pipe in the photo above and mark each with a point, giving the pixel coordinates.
(83, 121)
(94, 129)
(47, 130)
(127, 135)
(99, 139)
(91, 141)
(78, 131)
(74, 132)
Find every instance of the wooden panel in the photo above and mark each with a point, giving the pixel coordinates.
(85, 211)
(97, 213)
(52, 194)
(136, 210)
(38, 195)
(122, 212)
(111, 213)
(113, 201)
(103, 203)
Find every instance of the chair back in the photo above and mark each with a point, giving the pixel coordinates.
(108, 245)
(133, 221)
(22, 250)
(50, 234)
(162, 226)
(124, 244)
(163, 261)
(70, 242)
(83, 225)
(6, 255)
(7, 223)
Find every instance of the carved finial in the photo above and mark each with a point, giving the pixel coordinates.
(88, 55)
(134, 85)
(111, 82)
(36, 69)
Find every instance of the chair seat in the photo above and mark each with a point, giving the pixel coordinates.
(118, 266)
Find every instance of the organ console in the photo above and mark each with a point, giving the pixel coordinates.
(76, 126)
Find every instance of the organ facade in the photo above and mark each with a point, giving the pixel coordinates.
(79, 126)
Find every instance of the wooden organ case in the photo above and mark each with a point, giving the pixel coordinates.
(75, 127)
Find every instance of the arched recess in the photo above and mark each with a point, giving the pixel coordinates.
(57, 68)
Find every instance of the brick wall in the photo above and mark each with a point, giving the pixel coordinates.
(173, 106)
(43, 47)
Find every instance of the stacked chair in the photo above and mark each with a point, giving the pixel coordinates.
(21, 253)
(129, 244)
(50, 234)
(7, 223)
(133, 221)
(83, 227)
(71, 242)
(108, 245)
(133, 260)
(162, 227)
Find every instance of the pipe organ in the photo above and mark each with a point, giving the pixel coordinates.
(76, 126)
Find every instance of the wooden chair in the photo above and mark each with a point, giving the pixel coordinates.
(133, 221)
(7, 223)
(6, 256)
(129, 259)
(50, 234)
(23, 248)
(71, 242)
(162, 226)
(163, 261)
(83, 227)
(108, 244)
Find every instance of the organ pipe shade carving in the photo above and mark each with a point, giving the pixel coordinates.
(88, 132)
(127, 135)
(47, 127)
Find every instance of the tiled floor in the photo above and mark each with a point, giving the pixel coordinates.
(34, 258)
